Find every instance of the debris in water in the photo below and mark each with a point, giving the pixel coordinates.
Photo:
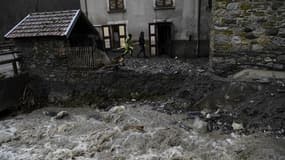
(118, 109)
(138, 128)
(61, 115)
(49, 113)
(199, 124)
(237, 126)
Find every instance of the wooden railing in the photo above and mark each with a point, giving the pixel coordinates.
(8, 59)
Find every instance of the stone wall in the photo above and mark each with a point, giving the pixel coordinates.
(41, 55)
(248, 33)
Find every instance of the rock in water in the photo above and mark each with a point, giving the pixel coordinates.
(199, 124)
(61, 115)
(49, 113)
(118, 109)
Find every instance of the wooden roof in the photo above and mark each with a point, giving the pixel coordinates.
(41, 24)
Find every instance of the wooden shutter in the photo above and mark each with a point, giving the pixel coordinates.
(153, 39)
(106, 36)
(123, 34)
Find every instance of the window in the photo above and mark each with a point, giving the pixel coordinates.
(116, 5)
(164, 3)
(114, 35)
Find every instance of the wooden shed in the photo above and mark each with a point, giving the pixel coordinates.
(54, 31)
(46, 38)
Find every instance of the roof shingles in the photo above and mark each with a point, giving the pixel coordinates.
(41, 24)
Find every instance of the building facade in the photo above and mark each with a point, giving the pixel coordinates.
(171, 27)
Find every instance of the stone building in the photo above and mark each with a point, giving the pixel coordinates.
(45, 38)
(248, 34)
(171, 27)
(58, 29)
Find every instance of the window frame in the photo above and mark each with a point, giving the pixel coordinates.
(116, 10)
(110, 36)
(106, 37)
(156, 7)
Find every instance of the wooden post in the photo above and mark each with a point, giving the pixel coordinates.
(14, 63)
(92, 56)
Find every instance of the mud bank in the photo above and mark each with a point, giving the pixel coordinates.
(173, 86)
(139, 79)
(257, 106)
(128, 132)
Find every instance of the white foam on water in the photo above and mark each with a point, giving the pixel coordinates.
(162, 139)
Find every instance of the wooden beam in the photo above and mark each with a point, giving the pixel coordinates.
(10, 61)
(8, 52)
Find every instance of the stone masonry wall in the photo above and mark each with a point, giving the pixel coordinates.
(248, 34)
(43, 57)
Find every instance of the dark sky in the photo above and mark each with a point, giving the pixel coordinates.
(12, 11)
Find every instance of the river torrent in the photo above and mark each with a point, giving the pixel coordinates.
(126, 132)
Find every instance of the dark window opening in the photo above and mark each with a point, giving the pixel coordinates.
(164, 3)
(116, 5)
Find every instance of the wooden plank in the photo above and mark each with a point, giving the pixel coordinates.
(10, 61)
(86, 56)
(82, 57)
(15, 68)
(6, 42)
(90, 57)
(7, 46)
(8, 52)
(79, 57)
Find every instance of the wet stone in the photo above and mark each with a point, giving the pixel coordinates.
(61, 115)
(233, 6)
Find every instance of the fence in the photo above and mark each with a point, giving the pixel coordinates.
(82, 57)
(9, 59)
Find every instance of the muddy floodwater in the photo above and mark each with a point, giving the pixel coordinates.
(126, 132)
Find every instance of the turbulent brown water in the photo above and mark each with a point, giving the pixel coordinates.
(127, 132)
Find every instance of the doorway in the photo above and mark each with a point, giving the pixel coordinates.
(160, 35)
(164, 38)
